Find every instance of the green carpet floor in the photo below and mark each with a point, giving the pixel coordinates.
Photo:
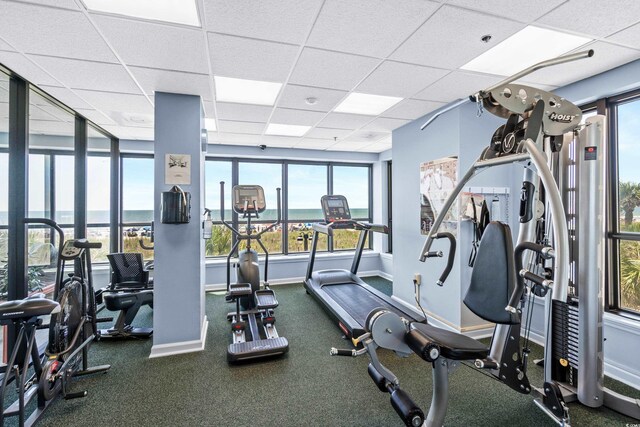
(307, 387)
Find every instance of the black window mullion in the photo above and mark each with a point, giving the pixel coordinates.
(330, 192)
(50, 187)
(116, 196)
(235, 173)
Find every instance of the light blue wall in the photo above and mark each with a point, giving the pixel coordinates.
(179, 273)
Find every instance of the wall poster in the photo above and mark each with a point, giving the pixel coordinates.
(177, 169)
(438, 178)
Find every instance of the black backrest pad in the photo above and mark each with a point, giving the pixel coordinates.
(493, 277)
(127, 267)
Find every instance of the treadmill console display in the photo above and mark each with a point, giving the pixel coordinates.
(335, 208)
(251, 196)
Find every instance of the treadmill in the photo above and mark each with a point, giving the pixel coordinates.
(346, 297)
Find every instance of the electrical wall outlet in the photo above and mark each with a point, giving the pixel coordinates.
(417, 278)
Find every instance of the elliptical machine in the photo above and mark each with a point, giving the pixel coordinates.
(258, 304)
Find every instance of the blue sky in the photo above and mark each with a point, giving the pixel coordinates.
(628, 147)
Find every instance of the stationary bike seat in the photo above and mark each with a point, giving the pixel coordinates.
(27, 308)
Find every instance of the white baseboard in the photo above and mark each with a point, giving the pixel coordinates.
(170, 349)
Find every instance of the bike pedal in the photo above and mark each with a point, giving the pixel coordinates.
(77, 395)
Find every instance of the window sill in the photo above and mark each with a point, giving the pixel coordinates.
(284, 259)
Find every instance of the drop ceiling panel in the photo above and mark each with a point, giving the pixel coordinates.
(88, 75)
(45, 30)
(251, 59)
(66, 96)
(457, 85)
(451, 38)
(96, 117)
(243, 112)
(123, 132)
(287, 116)
(62, 4)
(606, 57)
(234, 138)
(286, 21)
(366, 136)
(112, 103)
(399, 79)
(411, 109)
(349, 146)
(155, 45)
(315, 144)
(327, 133)
(345, 121)
(153, 80)
(382, 124)
(519, 10)
(27, 69)
(376, 148)
(209, 109)
(241, 127)
(331, 70)
(293, 96)
(594, 17)
(6, 46)
(368, 27)
(630, 36)
(279, 141)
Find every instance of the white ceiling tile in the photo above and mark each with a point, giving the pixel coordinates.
(345, 121)
(155, 45)
(411, 109)
(244, 58)
(451, 38)
(368, 27)
(62, 4)
(286, 21)
(280, 141)
(366, 136)
(66, 96)
(331, 70)
(123, 132)
(375, 148)
(349, 146)
(327, 133)
(241, 127)
(96, 117)
(243, 112)
(27, 69)
(630, 36)
(293, 96)
(457, 85)
(6, 46)
(45, 30)
(247, 139)
(382, 124)
(315, 144)
(593, 16)
(606, 57)
(399, 79)
(153, 80)
(89, 75)
(520, 10)
(116, 103)
(287, 116)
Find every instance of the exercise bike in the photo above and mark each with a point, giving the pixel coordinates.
(258, 303)
(72, 328)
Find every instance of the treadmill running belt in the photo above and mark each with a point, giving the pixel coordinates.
(357, 301)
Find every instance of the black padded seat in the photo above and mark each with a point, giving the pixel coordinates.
(453, 345)
(27, 308)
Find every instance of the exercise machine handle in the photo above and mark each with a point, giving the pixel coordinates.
(546, 252)
(450, 258)
(51, 223)
(85, 244)
(346, 352)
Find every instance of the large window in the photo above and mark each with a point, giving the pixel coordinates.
(627, 211)
(305, 184)
(137, 203)
(98, 193)
(4, 187)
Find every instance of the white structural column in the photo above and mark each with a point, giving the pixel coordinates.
(179, 319)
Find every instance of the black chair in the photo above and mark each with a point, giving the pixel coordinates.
(130, 289)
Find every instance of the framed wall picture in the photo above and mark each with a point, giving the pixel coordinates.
(177, 169)
(437, 180)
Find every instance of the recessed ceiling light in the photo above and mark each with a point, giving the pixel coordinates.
(210, 124)
(523, 49)
(362, 103)
(176, 11)
(286, 130)
(246, 91)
